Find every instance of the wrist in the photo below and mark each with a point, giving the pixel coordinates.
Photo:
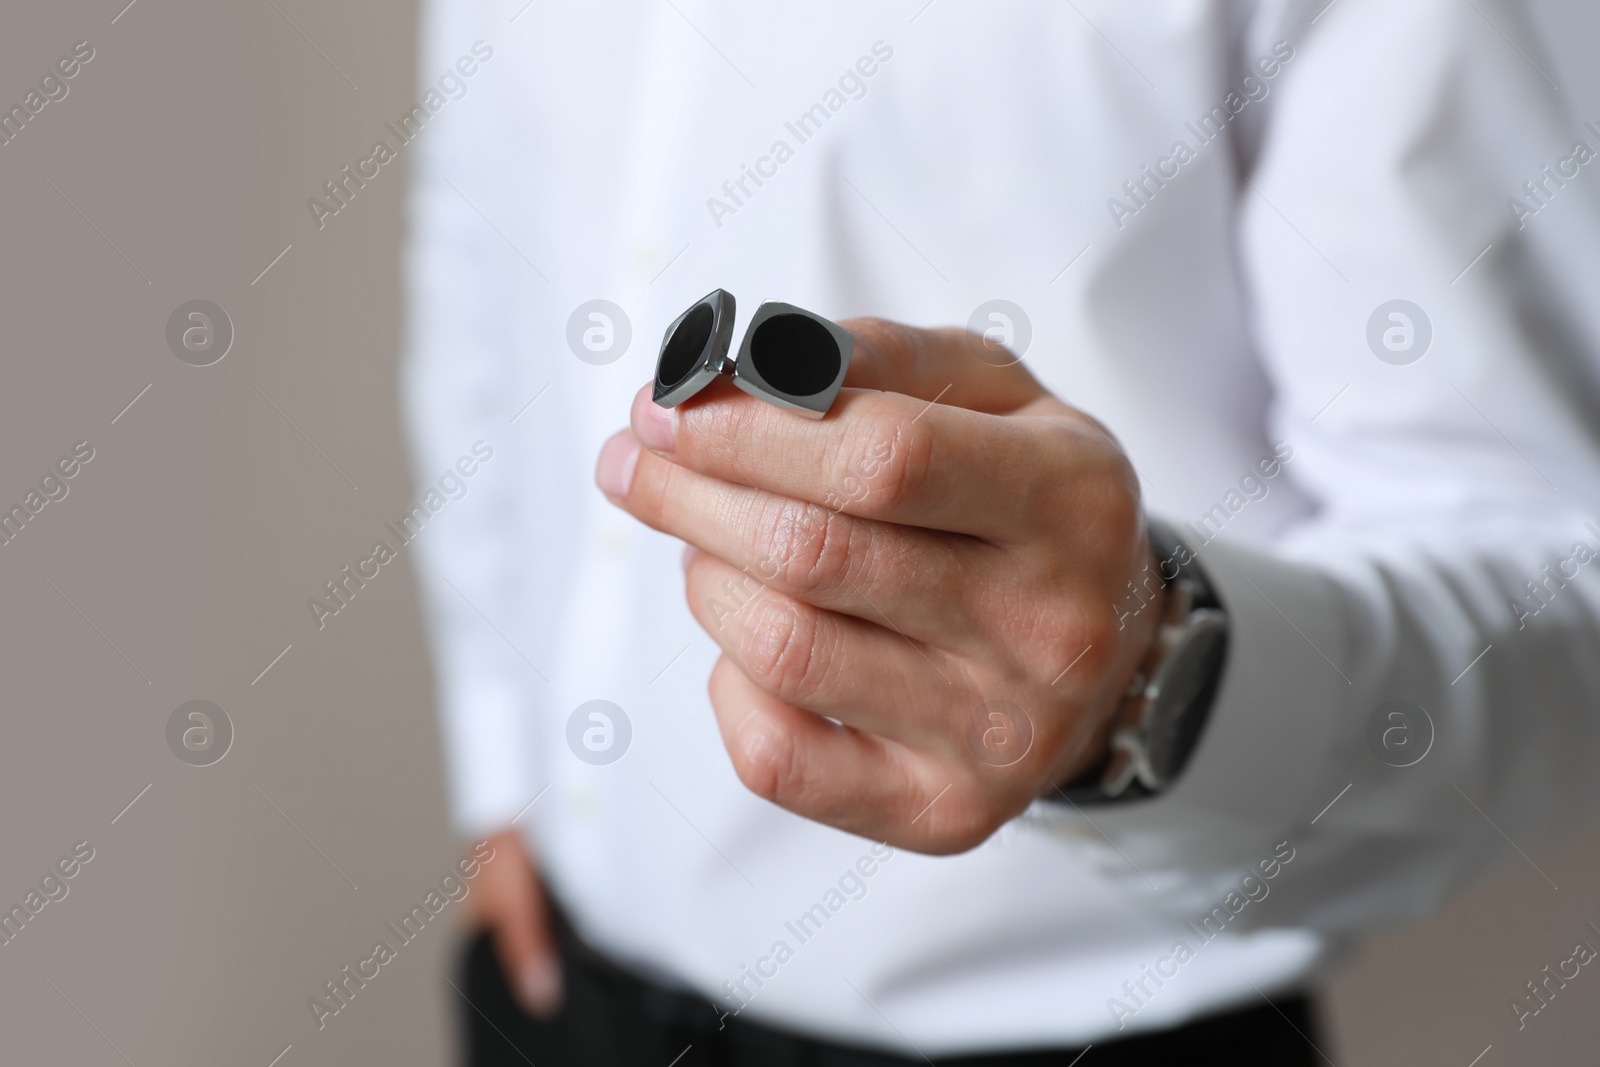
(1165, 702)
(1140, 615)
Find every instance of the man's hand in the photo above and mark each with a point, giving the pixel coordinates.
(922, 599)
(508, 899)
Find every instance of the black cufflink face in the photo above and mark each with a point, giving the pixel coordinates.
(793, 358)
(790, 357)
(694, 349)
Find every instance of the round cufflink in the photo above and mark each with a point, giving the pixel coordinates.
(789, 356)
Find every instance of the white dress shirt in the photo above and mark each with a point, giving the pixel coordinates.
(1211, 305)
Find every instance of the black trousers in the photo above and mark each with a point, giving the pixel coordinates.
(610, 1016)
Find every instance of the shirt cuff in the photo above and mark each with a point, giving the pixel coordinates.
(487, 744)
(1263, 758)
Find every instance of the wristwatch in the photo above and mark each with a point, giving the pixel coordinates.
(1166, 705)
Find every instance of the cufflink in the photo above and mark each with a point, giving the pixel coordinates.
(694, 350)
(789, 356)
(793, 358)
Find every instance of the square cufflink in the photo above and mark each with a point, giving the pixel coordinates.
(694, 350)
(789, 356)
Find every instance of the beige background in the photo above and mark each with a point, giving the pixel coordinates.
(183, 555)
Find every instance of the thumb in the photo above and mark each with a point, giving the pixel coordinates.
(528, 954)
(952, 366)
(514, 907)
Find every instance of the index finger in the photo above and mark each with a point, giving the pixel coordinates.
(949, 365)
(876, 455)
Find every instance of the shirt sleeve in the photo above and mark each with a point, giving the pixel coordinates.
(461, 386)
(1449, 558)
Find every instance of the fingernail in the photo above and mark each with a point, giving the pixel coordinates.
(653, 424)
(614, 473)
(689, 553)
(539, 986)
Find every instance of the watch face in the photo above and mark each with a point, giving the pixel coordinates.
(1194, 663)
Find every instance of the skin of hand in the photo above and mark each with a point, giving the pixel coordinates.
(916, 596)
(508, 900)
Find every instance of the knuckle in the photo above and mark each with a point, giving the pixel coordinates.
(766, 757)
(811, 545)
(719, 426)
(1086, 637)
(1095, 623)
(1105, 482)
(908, 467)
(888, 455)
(894, 344)
(1081, 622)
(963, 826)
(781, 651)
(1121, 511)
